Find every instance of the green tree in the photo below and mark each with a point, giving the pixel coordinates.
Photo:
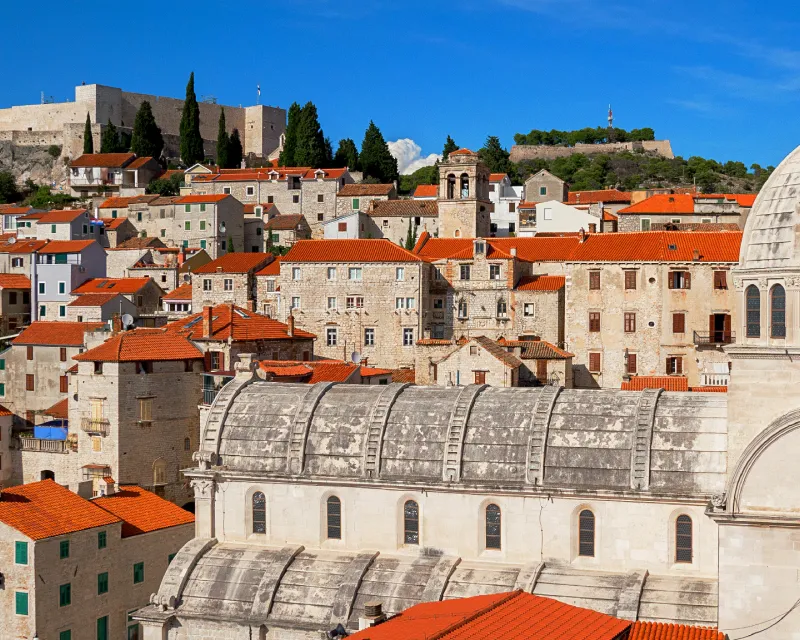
(375, 159)
(346, 155)
(109, 139)
(146, 140)
(328, 153)
(286, 158)
(8, 188)
(166, 187)
(235, 152)
(223, 143)
(310, 141)
(411, 235)
(230, 242)
(423, 175)
(191, 147)
(494, 156)
(449, 146)
(88, 142)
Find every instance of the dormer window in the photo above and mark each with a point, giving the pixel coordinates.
(480, 248)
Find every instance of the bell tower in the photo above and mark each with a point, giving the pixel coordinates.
(464, 205)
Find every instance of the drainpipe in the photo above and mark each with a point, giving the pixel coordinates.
(34, 286)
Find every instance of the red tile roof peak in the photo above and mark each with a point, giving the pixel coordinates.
(56, 334)
(236, 262)
(355, 251)
(142, 511)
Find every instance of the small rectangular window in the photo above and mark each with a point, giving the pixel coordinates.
(400, 274)
(632, 363)
(30, 382)
(29, 353)
(332, 303)
(295, 302)
(102, 583)
(187, 226)
(250, 191)
(494, 272)
(331, 273)
(102, 540)
(206, 284)
(529, 310)
(465, 271)
(630, 323)
(331, 337)
(62, 287)
(138, 573)
(630, 279)
(65, 635)
(295, 273)
(408, 337)
(296, 200)
(356, 204)
(227, 284)
(21, 603)
(354, 273)
(369, 337)
(594, 321)
(20, 552)
(720, 279)
(678, 323)
(320, 197)
(594, 362)
(644, 224)
(65, 595)
(42, 288)
(674, 365)
(63, 549)
(594, 280)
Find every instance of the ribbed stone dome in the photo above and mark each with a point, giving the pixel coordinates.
(770, 238)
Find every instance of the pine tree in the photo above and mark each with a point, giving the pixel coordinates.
(109, 139)
(286, 158)
(449, 146)
(230, 242)
(235, 152)
(411, 236)
(146, 140)
(223, 144)
(310, 149)
(191, 141)
(375, 159)
(88, 142)
(346, 155)
(494, 156)
(328, 162)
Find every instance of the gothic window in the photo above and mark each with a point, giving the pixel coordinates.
(683, 539)
(493, 525)
(753, 303)
(259, 513)
(464, 185)
(777, 302)
(411, 522)
(451, 187)
(334, 514)
(159, 472)
(586, 533)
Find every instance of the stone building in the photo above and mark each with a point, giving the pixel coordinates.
(229, 279)
(101, 174)
(285, 230)
(100, 307)
(682, 208)
(76, 568)
(544, 186)
(358, 296)
(391, 219)
(465, 207)
(6, 423)
(478, 360)
(15, 302)
(657, 303)
(268, 288)
(359, 197)
(114, 232)
(169, 267)
(506, 199)
(17, 256)
(214, 223)
(143, 293)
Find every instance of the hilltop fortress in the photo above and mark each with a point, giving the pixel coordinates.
(520, 152)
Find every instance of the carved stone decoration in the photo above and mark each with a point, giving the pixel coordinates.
(162, 602)
(205, 459)
(762, 284)
(737, 283)
(793, 282)
(719, 500)
(203, 488)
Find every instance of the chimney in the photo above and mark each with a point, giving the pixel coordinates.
(290, 325)
(207, 315)
(86, 489)
(116, 324)
(219, 269)
(251, 306)
(107, 487)
(583, 235)
(373, 614)
(695, 255)
(181, 256)
(514, 252)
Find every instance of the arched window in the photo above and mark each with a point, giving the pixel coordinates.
(334, 513)
(159, 472)
(411, 522)
(683, 539)
(493, 524)
(586, 533)
(451, 187)
(777, 308)
(752, 298)
(464, 185)
(259, 513)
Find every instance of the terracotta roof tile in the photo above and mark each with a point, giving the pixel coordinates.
(237, 324)
(114, 160)
(169, 173)
(4, 411)
(668, 383)
(286, 222)
(93, 299)
(713, 227)
(125, 286)
(120, 202)
(211, 198)
(11, 210)
(684, 203)
(315, 370)
(606, 196)
(497, 177)
(462, 152)
(56, 334)
(609, 217)
(139, 243)
(659, 246)
(364, 189)
(61, 216)
(34, 215)
(14, 281)
(404, 375)
(426, 191)
(663, 631)
(542, 350)
(66, 246)
(45, 509)
(139, 162)
(142, 511)
(145, 345)
(382, 250)
(404, 208)
(113, 223)
(250, 208)
(540, 283)
(237, 262)
(498, 352)
(368, 372)
(709, 389)
(60, 410)
(272, 269)
(182, 294)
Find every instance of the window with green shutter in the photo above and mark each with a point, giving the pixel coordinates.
(356, 203)
(138, 573)
(188, 208)
(65, 635)
(202, 225)
(102, 628)
(21, 603)
(276, 237)
(163, 233)
(2, 388)
(52, 228)
(113, 213)
(102, 540)
(20, 552)
(65, 595)
(202, 208)
(61, 258)
(202, 244)
(102, 583)
(187, 225)
(2, 364)
(63, 549)
(138, 216)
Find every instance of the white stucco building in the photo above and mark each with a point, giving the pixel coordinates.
(506, 199)
(555, 217)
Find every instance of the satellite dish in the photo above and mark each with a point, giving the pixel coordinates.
(222, 227)
(355, 357)
(127, 320)
(12, 240)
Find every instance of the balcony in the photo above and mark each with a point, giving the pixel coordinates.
(712, 338)
(97, 426)
(43, 446)
(714, 379)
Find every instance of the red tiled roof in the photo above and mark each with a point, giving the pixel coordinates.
(497, 177)
(539, 349)
(404, 208)
(169, 173)
(540, 283)
(709, 389)
(527, 205)
(56, 334)
(659, 246)
(368, 372)
(45, 509)
(462, 152)
(119, 202)
(113, 223)
(664, 631)
(235, 263)
(66, 246)
(272, 269)
(668, 383)
(142, 511)
(35, 215)
(663, 203)
(365, 189)
(139, 243)
(502, 616)
(746, 200)
(61, 216)
(606, 196)
(182, 293)
(237, 324)
(14, 281)
(404, 375)
(59, 410)
(426, 191)
(538, 248)
(147, 345)
(114, 160)
(139, 162)
(93, 299)
(112, 285)
(4, 411)
(382, 250)
(608, 216)
(251, 207)
(496, 351)
(203, 198)
(285, 222)
(268, 173)
(316, 370)
(11, 210)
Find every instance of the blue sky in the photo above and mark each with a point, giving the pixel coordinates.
(719, 79)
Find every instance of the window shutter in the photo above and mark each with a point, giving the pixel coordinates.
(727, 326)
(723, 279)
(667, 368)
(671, 279)
(687, 280)
(207, 358)
(678, 323)
(631, 363)
(679, 365)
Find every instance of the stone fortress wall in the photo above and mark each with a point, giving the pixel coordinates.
(520, 152)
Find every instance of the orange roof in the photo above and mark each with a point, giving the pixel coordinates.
(503, 616)
(206, 198)
(139, 162)
(66, 246)
(659, 246)
(11, 210)
(382, 250)
(103, 160)
(139, 243)
(285, 222)
(269, 173)
(668, 383)
(455, 248)
(45, 509)
(365, 189)
(709, 389)
(62, 216)
(229, 321)
(603, 195)
(14, 281)
(497, 177)
(316, 370)
(404, 375)
(112, 285)
(746, 200)
(535, 249)
(368, 372)
(132, 346)
(272, 269)
(251, 207)
(527, 205)
(462, 152)
(113, 223)
(664, 631)
(608, 216)
(663, 203)
(59, 410)
(169, 173)
(184, 292)
(540, 283)
(142, 511)
(4, 411)
(119, 202)
(56, 334)
(426, 191)
(236, 263)
(93, 299)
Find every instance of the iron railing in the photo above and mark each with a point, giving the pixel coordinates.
(95, 425)
(714, 337)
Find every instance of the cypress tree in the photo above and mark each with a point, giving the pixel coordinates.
(146, 139)
(109, 139)
(310, 141)
(328, 162)
(449, 146)
(191, 141)
(346, 155)
(223, 144)
(88, 142)
(235, 152)
(286, 158)
(411, 236)
(375, 159)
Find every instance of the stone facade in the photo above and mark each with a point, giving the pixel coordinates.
(216, 284)
(522, 152)
(464, 205)
(474, 363)
(544, 186)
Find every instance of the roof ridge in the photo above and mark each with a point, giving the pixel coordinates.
(477, 614)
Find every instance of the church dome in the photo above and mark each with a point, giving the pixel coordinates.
(770, 238)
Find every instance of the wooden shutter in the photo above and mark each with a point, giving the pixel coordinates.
(594, 279)
(671, 279)
(541, 370)
(207, 359)
(29, 386)
(631, 363)
(480, 377)
(63, 384)
(667, 366)
(630, 279)
(678, 323)
(30, 353)
(727, 325)
(687, 280)
(594, 362)
(63, 354)
(679, 365)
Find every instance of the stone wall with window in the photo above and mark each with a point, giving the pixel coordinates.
(644, 222)
(319, 201)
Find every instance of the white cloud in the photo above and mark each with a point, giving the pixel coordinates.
(409, 156)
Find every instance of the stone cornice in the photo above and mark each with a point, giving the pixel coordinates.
(759, 352)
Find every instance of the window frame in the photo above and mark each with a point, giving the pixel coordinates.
(493, 529)
(333, 518)
(777, 329)
(258, 513)
(138, 573)
(752, 311)
(411, 520)
(630, 279)
(587, 548)
(682, 537)
(629, 322)
(594, 280)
